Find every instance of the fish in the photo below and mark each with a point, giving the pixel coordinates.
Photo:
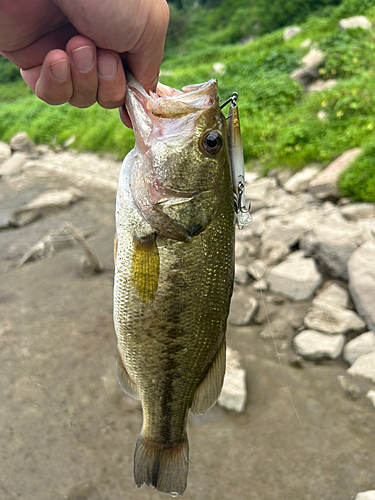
(174, 270)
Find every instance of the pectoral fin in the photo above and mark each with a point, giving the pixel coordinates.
(126, 383)
(208, 391)
(145, 267)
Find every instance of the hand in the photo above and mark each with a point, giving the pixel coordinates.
(72, 50)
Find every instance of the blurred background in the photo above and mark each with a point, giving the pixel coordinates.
(292, 423)
(240, 42)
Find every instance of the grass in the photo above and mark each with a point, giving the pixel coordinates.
(280, 123)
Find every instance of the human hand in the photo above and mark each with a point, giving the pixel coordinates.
(72, 50)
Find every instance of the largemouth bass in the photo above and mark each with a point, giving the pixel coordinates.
(174, 270)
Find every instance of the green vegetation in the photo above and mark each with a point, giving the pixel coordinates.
(280, 123)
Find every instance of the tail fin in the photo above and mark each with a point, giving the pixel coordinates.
(164, 468)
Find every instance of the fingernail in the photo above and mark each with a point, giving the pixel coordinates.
(83, 58)
(60, 70)
(107, 67)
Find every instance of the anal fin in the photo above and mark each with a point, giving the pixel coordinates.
(126, 383)
(208, 391)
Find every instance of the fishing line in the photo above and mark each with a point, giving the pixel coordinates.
(278, 354)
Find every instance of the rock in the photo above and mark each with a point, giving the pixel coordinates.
(350, 390)
(334, 294)
(325, 185)
(296, 361)
(315, 345)
(368, 228)
(219, 68)
(22, 142)
(371, 397)
(257, 269)
(71, 140)
(298, 254)
(291, 32)
(321, 85)
(240, 274)
(13, 165)
(332, 319)
(363, 344)
(288, 233)
(251, 309)
(306, 43)
(260, 285)
(5, 151)
(323, 116)
(332, 244)
(314, 59)
(305, 75)
(250, 177)
(277, 329)
(233, 394)
(44, 203)
(300, 181)
(283, 175)
(42, 149)
(361, 270)
(260, 189)
(297, 279)
(356, 211)
(354, 23)
(364, 366)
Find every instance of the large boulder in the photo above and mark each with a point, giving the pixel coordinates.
(332, 319)
(361, 270)
(295, 278)
(315, 345)
(325, 185)
(332, 244)
(352, 23)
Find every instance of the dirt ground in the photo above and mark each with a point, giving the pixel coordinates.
(68, 432)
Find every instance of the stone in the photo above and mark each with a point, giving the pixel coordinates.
(240, 274)
(300, 181)
(219, 68)
(261, 188)
(334, 294)
(257, 269)
(305, 75)
(315, 345)
(277, 329)
(364, 366)
(356, 211)
(288, 233)
(291, 32)
(363, 344)
(251, 309)
(323, 116)
(332, 244)
(296, 279)
(315, 58)
(325, 185)
(354, 23)
(71, 140)
(298, 254)
(361, 270)
(371, 397)
(306, 43)
(22, 142)
(5, 151)
(321, 85)
(332, 319)
(260, 285)
(350, 390)
(233, 394)
(283, 175)
(14, 164)
(43, 204)
(368, 228)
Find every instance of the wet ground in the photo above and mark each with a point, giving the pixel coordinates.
(68, 432)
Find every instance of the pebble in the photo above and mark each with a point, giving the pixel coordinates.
(251, 310)
(332, 319)
(22, 142)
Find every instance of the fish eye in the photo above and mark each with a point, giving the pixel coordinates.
(212, 142)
